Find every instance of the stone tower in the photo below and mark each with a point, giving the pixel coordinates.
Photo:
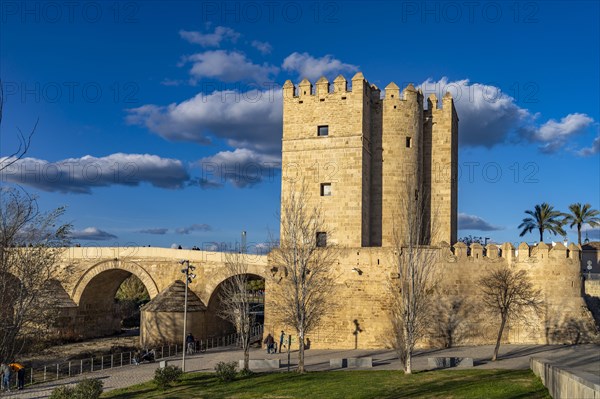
(356, 153)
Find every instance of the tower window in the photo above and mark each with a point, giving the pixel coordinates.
(323, 130)
(321, 239)
(325, 189)
(408, 142)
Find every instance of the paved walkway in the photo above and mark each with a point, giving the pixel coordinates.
(582, 357)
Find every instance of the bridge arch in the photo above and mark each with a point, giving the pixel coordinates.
(217, 279)
(216, 324)
(114, 264)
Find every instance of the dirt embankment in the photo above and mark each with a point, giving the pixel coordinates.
(81, 350)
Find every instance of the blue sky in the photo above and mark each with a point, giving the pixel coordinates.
(160, 122)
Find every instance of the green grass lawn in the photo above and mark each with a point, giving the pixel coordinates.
(351, 384)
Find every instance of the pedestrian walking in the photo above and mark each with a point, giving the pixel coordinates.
(270, 342)
(190, 343)
(281, 340)
(20, 370)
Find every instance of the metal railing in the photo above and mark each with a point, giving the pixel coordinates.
(56, 371)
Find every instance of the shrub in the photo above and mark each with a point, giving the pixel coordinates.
(245, 373)
(164, 377)
(64, 392)
(226, 371)
(89, 389)
(86, 389)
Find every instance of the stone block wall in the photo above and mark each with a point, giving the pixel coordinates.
(378, 153)
(361, 294)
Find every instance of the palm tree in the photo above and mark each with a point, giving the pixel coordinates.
(580, 215)
(543, 218)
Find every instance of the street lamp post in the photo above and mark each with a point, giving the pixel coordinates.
(189, 276)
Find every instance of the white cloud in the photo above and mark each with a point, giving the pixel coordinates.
(242, 167)
(214, 39)
(570, 124)
(489, 117)
(472, 222)
(80, 175)
(313, 68)
(553, 135)
(92, 234)
(251, 119)
(263, 47)
(592, 150)
(228, 66)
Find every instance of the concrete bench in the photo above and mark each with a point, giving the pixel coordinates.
(255, 364)
(445, 362)
(351, 362)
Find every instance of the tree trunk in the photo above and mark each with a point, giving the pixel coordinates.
(495, 356)
(541, 235)
(579, 234)
(408, 365)
(246, 358)
(301, 354)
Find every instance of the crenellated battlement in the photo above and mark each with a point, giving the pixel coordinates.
(322, 89)
(524, 253)
(374, 146)
(393, 95)
(361, 151)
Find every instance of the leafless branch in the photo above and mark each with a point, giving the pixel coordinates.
(509, 294)
(412, 287)
(31, 244)
(236, 300)
(24, 139)
(304, 291)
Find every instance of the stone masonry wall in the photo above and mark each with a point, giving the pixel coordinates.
(379, 152)
(363, 275)
(339, 158)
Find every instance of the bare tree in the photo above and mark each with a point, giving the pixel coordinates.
(31, 244)
(305, 293)
(412, 288)
(236, 299)
(508, 293)
(24, 139)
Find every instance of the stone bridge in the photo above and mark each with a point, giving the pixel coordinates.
(91, 276)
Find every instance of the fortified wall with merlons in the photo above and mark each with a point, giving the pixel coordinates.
(358, 155)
